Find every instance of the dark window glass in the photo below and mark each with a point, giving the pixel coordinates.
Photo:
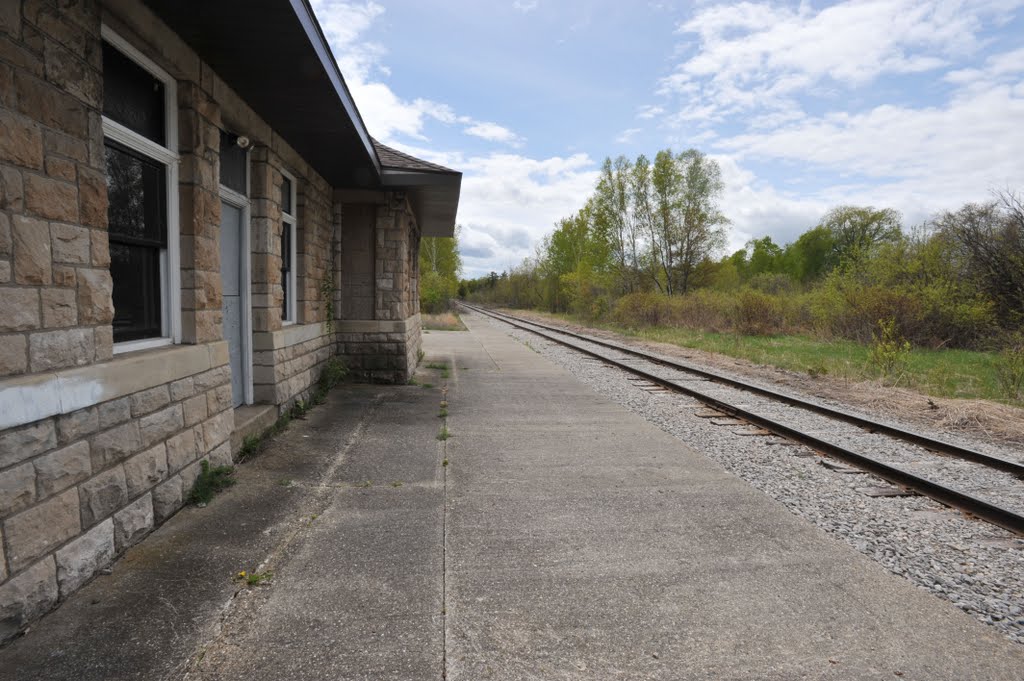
(136, 274)
(137, 192)
(137, 216)
(132, 96)
(233, 162)
(286, 196)
(286, 266)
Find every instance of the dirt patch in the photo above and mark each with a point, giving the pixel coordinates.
(983, 420)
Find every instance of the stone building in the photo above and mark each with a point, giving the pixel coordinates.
(193, 219)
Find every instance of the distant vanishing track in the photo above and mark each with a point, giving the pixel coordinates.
(949, 496)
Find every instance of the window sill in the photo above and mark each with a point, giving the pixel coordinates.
(288, 323)
(144, 344)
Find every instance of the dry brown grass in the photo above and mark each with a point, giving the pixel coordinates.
(445, 321)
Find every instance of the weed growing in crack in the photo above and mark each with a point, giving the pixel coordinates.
(209, 482)
(444, 434)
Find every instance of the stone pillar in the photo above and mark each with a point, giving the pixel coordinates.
(266, 226)
(199, 186)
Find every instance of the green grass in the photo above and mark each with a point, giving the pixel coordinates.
(938, 373)
(210, 481)
(964, 374)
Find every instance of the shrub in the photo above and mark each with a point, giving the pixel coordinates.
(1010, 368)
(890, 352)
(758, 314)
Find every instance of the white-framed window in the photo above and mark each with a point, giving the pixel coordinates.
(289, 233)
(140, 131)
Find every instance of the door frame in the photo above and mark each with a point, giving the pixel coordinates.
(242, 202)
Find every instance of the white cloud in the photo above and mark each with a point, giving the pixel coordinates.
(627, 135)
(493, 133)
(759, 55)
(386, 115)
(525, 6)
(649, 111)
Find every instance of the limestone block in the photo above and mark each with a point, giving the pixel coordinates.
(150, 400)
(188, 477)
(114, 412)
(92, 198)
(213, 378)
(51, 199)
(79, 561)
(57, 143)
(59, 349)
(17, 489)
(21, 141)
(12, 195)
(37, 531)
(52, 107)
(18, 444)
(65, 276)
(116, 444)
(161, 425)
(19, 309)
(61, 169)
(167, 499)
(70, 244)
(104, 342)
(99, 248)
(133, 523)
(181, 450)
(221, 455)
(182, 389)
(59, 308)
(58, 470)
(95, 301)
(219, 399)
(13, 355)
(195, 409)
(32, 259)
(144, 470)
(72, 75)
(102, 495)
(26, 597)
(219, 428)
(77, 424)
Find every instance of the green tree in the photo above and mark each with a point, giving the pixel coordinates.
(702, 223)
(440, 266)
(808, 257)
(855, 230)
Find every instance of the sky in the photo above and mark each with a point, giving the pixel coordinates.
(916, 105)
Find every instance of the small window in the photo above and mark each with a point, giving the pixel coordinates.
(141, 170)
(132, 96)
(288, 229)
(234, 163)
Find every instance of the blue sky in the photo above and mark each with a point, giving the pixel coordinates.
(912, 104)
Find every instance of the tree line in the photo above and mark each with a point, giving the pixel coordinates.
(647, 247)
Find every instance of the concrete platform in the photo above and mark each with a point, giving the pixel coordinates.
(565, 539)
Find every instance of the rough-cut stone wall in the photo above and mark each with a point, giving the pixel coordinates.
(199, 122)
(55, 306)
(77, 489)
(386, 347)
(288, 363)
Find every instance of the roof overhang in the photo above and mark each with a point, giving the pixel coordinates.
(434, 197)
(276, 58)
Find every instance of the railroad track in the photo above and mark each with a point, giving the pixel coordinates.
(733, 398)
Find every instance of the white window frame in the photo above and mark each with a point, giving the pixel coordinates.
(290, 221)
(170, 258)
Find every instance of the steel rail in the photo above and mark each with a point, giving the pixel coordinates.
(931, 443)
(948, 496)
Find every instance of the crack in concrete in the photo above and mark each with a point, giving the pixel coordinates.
(313, 505)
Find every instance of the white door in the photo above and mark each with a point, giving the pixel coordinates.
(231, 226)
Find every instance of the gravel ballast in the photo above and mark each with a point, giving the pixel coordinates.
(976, 566)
